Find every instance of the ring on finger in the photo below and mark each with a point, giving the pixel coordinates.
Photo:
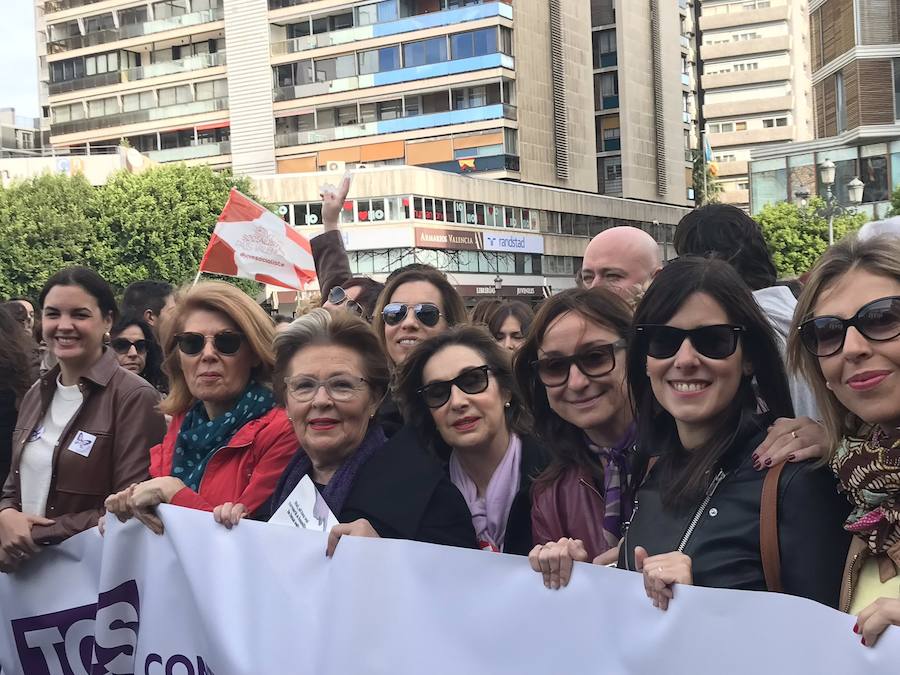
(794, 435)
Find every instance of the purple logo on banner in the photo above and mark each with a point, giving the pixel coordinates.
(62, 643)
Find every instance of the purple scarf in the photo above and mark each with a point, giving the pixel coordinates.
(617, 494)
(491, 511)
(335, 493)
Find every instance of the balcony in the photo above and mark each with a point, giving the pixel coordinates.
(52, 6)
(745, 18)
(749, 107)
(449, 17)
(190, 152)
(198, 62)
(401, 124)
(685, 42)
(135, 30)
(730, 50)
(478, 164)
(745, 77)
(686, 79)
(138, 116)
(395, 76)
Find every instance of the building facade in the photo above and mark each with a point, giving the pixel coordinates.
(19, 136)
(756, 83)
(491, 237)
(290, 91)
(856, 89)
(642, 56)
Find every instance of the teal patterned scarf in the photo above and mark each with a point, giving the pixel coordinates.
(199, 438)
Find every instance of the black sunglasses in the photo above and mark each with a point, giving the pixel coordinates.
(338, 296)
(123, 346)
(226, 342)
(426, 313)
(471, 381)
(593, 361)
(878, 321)
(713, 342)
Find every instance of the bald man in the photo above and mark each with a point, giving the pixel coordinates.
(623, 259)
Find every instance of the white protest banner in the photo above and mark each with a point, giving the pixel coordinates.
(260, 599)
(305, 507)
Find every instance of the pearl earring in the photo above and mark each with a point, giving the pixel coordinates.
(506, 405)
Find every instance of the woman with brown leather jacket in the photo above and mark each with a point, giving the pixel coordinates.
(84, 429)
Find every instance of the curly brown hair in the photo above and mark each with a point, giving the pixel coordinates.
(15, 357)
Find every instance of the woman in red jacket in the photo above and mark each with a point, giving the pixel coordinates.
(227, 441)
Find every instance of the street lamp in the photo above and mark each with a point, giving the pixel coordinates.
(498, 283)
(832, 208)
(802, 196)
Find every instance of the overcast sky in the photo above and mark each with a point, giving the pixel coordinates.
(18, 60)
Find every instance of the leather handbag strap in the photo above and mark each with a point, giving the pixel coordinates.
(768, 529)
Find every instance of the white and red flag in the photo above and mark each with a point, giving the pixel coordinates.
(251, 242)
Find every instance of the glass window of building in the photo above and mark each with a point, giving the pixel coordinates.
(840, 103)
(170, 8)
(379, 60)
(425, 52)
(473, 43)
(896, 63)
(335, 68)
(377, 12)
(340, 21)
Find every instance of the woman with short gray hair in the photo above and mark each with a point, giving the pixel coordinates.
(331, 374)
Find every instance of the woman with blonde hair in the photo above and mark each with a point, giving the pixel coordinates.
(846, 342)
(227, 442)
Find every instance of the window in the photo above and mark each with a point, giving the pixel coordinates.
(604, 48)
(840, 103)
(474, 43)
(103, 106)
(739, 67)
(470, 97)
(138, 101)
(771, 122)
(897, 89)
(481, 151)
(377, 12)
(210, 90)
(425, 52)
(606, 92)
(169, 8)
(175, 95)
(506, 41)
(379, 60)
(335, 68)
(340, 21)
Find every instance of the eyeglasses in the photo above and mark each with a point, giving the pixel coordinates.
(714, 342)
(426, 313)
(338, 296)
(592, 361)
(471, 381)
(123, 346)
(878, 321)
(339, 388)
(225, 342)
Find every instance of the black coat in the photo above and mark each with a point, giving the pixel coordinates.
(402, 491)
(518, 526)
(724, 546)
(8, 415)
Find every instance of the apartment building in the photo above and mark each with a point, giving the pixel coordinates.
(642, 56)
(856, 87)
(19, 135)
(500, 90)
(756, 83)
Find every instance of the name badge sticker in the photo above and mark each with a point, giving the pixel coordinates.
(35, 434)
(83, 443)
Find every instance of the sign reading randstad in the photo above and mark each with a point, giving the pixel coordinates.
(514, 243)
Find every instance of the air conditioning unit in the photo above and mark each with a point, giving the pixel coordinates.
(336, 167)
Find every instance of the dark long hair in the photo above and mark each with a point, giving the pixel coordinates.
(91, 282)
(15, 357)
(409, 381)
(152, 371)
(687, 474)
(564, 440)
(514, 308)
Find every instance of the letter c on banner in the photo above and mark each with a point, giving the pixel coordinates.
(151, 658)
(176, 660)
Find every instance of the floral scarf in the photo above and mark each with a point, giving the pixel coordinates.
(869, 472)
(200, 437)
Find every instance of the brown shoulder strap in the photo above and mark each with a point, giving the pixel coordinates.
(768, 529)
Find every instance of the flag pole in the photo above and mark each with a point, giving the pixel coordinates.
(197, 278)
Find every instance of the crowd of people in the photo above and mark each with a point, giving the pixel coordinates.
(698, 422)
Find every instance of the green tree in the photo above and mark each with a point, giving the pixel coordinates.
(152, 225)
(798, 235)
(45, 224)
(706, 189)
(895, 204)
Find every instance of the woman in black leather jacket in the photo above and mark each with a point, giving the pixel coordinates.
(707, 380)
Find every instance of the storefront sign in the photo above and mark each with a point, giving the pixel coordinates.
(457, 240)
(513, 243)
